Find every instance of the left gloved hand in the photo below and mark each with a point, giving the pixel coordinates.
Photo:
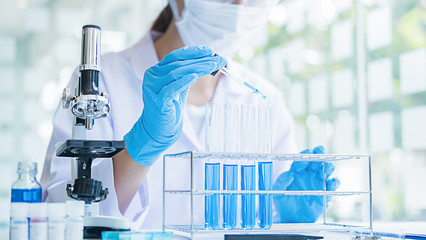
(303, 176)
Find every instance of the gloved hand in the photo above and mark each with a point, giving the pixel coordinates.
(165, 90)
(303, 176)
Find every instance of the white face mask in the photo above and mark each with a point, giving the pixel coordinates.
(222, 26)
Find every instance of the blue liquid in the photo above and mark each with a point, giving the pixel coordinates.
(255, 90)
(230, 182)
(248, 208)
(265, 201)
(26, 195)
(212, 202)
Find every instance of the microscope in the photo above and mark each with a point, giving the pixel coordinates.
(87, 104)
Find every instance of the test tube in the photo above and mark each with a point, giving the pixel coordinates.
(214, 143)
(265, 168)
(214, 127)
(232, 131)
(249, 144)
(265, 200)
(230, 167)
(249, 129)
(230, 182)
(212, 202)
(248, 200)
(265, 128)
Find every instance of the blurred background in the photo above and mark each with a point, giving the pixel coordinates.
(353, 73)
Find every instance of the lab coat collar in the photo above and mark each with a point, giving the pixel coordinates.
(143, 55)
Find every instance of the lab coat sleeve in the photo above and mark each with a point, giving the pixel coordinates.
(114, 68)
(57, 171)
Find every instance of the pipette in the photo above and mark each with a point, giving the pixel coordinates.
(237, 79)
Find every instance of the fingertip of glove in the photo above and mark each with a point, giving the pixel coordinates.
(318, 150)
(306, 151)
(221, 62)
(283, 181)
(299, 166)
(213, 66)
(205, 49)
(333, 184)
(329, 168)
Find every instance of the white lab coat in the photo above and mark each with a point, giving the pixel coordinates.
(121, 77)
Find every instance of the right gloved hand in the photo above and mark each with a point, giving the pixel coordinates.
(301, 177)
(165, 90)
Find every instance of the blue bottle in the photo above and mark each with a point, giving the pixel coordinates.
(26, 188)
(212, 202)
(230, 182)
(265, 200)
(248, 207)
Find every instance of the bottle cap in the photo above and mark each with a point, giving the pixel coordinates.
(27, 167)
(56, 210)
(38, 210)
(75, 208)
(19, 210)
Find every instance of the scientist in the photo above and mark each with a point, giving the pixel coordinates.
(158, 89)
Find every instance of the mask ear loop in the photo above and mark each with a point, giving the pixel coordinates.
(175, 9)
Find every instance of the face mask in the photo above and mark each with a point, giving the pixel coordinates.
(222, 26)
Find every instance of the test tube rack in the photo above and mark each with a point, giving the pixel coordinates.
(187, 191)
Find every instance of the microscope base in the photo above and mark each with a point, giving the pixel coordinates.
(94, 226)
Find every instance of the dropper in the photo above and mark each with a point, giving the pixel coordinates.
(239, 80)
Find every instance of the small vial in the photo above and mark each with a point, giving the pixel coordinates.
(248, 204)
(212, 202)
(230, 182)
(26, 188)
(265, 200)
(18, 221)
(56, 221)
(74, 221)
(38, 221)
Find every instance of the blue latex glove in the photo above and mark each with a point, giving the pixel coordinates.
(165, 90)
(303, 176)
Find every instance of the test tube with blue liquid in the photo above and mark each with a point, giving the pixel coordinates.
(212, 202)
(248, 200)
(213, 143)
(265, 200)
(230, 166)
(265, 167)
(249, 144)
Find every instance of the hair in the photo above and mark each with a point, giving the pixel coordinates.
(163, 20)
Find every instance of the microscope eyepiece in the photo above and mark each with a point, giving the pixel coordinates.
(88, 103)
(91, 48)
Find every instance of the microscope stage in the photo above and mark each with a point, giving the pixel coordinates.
(90, 148)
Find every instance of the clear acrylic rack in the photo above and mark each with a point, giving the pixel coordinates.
(349, 211)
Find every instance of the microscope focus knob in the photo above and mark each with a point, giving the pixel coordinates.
(66, 98)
